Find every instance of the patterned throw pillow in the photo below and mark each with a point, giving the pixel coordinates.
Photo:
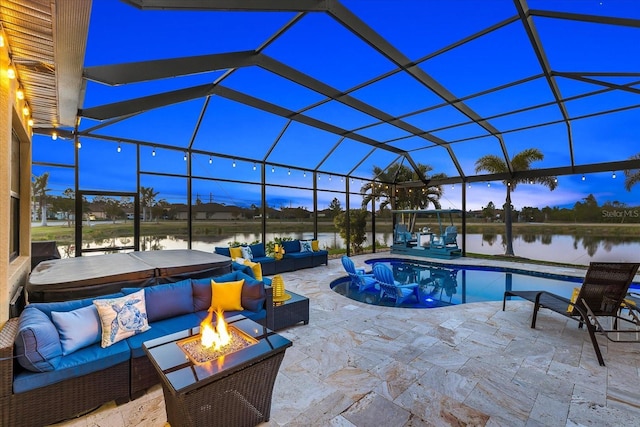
(305, 246)
(122, 317)
(247, 253)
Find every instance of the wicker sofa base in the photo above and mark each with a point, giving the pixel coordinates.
(240, 399)
(76, 396)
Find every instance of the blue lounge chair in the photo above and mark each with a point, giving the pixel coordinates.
(389, 287)
(358, 277)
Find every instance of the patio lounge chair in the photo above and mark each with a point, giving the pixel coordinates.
(389, 287)
(358, 277)
(602, 293)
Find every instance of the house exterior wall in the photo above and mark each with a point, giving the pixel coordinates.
(13, 272)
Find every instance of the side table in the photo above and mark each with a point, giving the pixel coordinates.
(288, 313)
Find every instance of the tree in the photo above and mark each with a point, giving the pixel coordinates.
(147, 200)
(407, 198)
(520, 162)
(334, 207)
(357, 227)
(489, 212)
(39, 188)
(632, 176)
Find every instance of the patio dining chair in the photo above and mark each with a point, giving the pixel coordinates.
(391, 288)
(601, 295)
(359, 278)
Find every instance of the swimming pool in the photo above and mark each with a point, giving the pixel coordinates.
(441, 285)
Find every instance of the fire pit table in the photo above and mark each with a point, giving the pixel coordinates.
(231, 390)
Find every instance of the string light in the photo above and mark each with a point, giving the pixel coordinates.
(30, 122)
(613, 175)
(584, 178)
(469, 186)
(273, 169)
(555, 180)
(210, 160)
(25, 109)
(119, 148)
(11, 72)
(289, 172)
(185, 156)
(153, 152)
(79, 145)
(254, 166)
(1, 40)
(329, 177)
(54, 135)
(20, 93)
(304, 174)
(489, 184)
(234, 163)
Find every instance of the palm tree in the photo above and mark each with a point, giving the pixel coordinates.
(147, 199)
(520, 162)
(632, 176)
(415, 198)
(39, 189)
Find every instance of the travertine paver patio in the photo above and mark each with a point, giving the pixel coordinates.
(473, 364)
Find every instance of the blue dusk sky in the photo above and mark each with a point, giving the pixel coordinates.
(595, 67)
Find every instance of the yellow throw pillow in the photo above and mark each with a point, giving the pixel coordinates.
(235, 252)
(314, 246)
(256, 267)
(226, 296)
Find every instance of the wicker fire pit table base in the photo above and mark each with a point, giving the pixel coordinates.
(232, 390)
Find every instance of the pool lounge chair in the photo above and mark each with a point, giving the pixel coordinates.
(602, 293)
(358, 276)
(389, 287)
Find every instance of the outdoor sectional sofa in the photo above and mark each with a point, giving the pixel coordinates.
(294, 257)
(40, 385)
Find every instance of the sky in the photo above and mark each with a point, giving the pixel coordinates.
(319, 46)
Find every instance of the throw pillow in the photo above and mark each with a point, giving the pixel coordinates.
(122, 317)
(77, 328)
(37, 343)
(253, 295)
(257, 250)
(235, 252)
(305, 246)
(256, 267)
(315, 247)
(246, 253)
(226, 296)
(166, 300)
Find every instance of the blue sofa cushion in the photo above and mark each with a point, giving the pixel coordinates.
(258, 250)
(236, 266)
(160, 329)
(320, 253)
(168, 300)
(77, 328)
(291, 246)
(298, 254)
(222, 251)
(264, 259)
(253, 293)
(48, 307)
(82, 362)
(37, 343)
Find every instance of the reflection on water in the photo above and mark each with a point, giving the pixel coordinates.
(580, 250)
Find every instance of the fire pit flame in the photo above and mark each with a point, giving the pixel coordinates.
(214, 338)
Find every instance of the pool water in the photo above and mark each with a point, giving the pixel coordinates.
(441, 286)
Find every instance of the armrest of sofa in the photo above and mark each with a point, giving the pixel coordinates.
(268, 305)
(7, 337)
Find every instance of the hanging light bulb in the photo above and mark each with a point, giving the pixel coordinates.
(304, 174)
(329, 177)
(25, 109)
(318, 177)
(210, 160)
(11, 72)
(469, 186)
(79, 144)
(453, 186)
(254, 166)
(54, 135)
(1, 40)
(342, 179)
(153, 152)
(273, 169)
(185, 156)
(583, 177)
(613, 175)
(20, 93)
(119, 148)
(289, 171)
(489, 184)
(30, 122)
(234, 163)
(555, 180)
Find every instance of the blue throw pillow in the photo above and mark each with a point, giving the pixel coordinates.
(291, 246)
(168, 300)
(37, 342)
(222, 251)
(77, 328)
(253, 295)
(258, 250)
